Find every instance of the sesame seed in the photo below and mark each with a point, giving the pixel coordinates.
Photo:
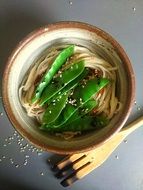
(54, 104)
(26, 156)
(3, 157)
(9, 138)
(39, 153)
(0, 160)
(116, 157)
(6, 140)
(139, 108)
(58, 100)
(41, 173)
(134, 9)
(9, 142)
(54, 100)
(59, 93)
(16, 165)
(135, 102)
(50, 112)
(125, 141)
(1, 113)
(4, 145)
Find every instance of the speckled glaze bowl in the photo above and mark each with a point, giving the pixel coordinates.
(66, 33)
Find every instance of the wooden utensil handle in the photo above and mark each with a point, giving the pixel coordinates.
(104, 151)
(133, 126)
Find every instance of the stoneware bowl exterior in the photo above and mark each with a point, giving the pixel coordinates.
(52, 35)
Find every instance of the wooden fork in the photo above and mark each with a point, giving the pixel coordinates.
(76, 166)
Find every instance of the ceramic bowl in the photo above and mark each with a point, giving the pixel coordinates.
(66, 33)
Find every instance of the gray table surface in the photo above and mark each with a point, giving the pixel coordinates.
(24, 167)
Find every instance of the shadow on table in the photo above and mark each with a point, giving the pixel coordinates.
(7, 184)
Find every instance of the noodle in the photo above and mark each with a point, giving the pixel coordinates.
(108, 103)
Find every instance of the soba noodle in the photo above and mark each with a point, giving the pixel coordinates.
(108, 103)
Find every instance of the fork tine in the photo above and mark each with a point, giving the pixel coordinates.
(68, 160)
(73, 176)
(69, 166)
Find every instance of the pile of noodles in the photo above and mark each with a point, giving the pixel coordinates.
(108, 103)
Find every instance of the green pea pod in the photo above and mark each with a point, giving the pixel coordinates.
(86, 123)
(81, 95)
(83, 110)
(54, 109)
(77, 113)
(71, 85)
(59, 61)
(61, 82)
(80, 124)
(91, 88)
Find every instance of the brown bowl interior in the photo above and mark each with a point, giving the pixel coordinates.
(66, 33)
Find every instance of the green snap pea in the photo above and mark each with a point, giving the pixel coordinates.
(59, 61)
(54, 109)
(83, 110)
(86, 123)
(71, 85)
(81, 95)
(61, 82)
(80, 124)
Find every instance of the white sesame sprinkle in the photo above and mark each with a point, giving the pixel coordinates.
(54, 104)
(1, 113)
(58, 100)
(26, 156)
(0, 160)
(125, 141)
(138, 108)
(39, 153)
(4, 145)
(3, 157)
(134, 9)
(41, 173)
(116, 157)
(9, 142)
(61, 76)
(50, 112)
(54, 100)
(6, 140)
(16, 165)
(59, 93)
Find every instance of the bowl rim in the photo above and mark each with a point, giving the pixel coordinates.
(48, 28)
